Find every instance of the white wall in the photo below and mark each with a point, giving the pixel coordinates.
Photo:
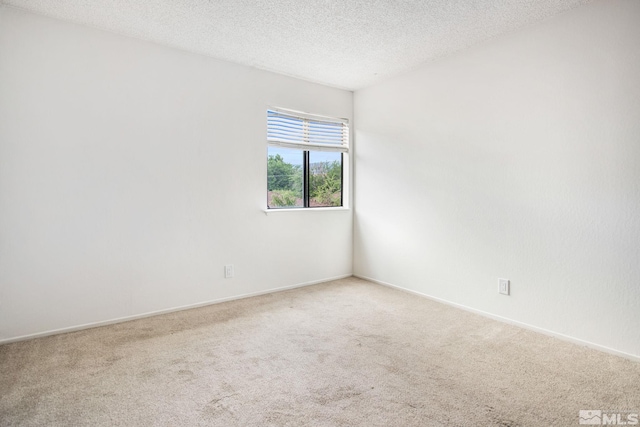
(130, 173)
(516, 159)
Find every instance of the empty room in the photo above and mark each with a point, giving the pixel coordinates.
(323, 213)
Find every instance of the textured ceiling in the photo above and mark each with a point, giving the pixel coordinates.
(344, 43)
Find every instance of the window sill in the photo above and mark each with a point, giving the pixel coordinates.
(272, 211)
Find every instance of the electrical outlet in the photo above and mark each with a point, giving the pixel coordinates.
(228, 271)
(503, 286)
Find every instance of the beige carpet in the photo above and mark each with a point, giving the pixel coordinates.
(344, 353)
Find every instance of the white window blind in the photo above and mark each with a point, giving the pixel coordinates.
(289, 129)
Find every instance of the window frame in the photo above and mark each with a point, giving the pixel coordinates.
(306, 146)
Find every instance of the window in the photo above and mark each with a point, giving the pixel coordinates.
(305, 159)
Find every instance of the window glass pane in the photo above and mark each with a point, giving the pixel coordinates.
(325, 179)
(284, 177)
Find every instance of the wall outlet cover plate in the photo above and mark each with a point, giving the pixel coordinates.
(503, 286)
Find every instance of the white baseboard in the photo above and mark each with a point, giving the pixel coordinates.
(635, 358)
(164, 311)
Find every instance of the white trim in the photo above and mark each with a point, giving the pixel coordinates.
(309, 116)
(301, 209)
(165, 311)
(633, 357)
(306, 146)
